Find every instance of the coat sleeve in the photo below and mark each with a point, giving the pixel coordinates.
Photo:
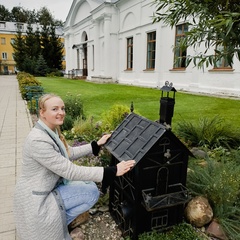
(80, 151)
(46, 153)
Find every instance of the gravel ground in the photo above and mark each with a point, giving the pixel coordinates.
(101, 226)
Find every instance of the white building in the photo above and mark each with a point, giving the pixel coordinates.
(115, 40)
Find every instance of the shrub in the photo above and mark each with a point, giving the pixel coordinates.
(67, 124)
(86, 130)
(219, 182)
(112, 118)
(25, 80)
(55, 73)
(74, 106)
(178, 232)
(41, 67)
(210, 133)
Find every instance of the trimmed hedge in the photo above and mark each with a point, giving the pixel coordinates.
(25, 80)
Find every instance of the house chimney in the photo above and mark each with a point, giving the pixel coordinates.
(167, 103)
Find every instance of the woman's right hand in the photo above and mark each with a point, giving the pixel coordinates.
(124, 166)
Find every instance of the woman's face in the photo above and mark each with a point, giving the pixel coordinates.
(53, 113)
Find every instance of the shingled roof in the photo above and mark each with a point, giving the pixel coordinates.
(134, 137)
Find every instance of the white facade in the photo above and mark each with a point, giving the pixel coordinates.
(96, 33)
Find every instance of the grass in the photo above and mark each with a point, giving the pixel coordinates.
(98, 98)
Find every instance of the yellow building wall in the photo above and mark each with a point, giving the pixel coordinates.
(7, 63)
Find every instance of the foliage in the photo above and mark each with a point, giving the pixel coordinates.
(67, 125)
(74, 110)
(4, 14)
(210, 133)
(211, 23)
(19, 50)
(52, 48)
(178, 232)
(74, 106)
(25, 80)
(86, 129)
(36, 46)
(219, 182)
(55, 73)
(113, 117)
(41, 67)
(20, 14)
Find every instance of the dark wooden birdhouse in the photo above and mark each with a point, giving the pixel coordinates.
(151, 196)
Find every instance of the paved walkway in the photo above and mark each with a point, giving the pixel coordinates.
(15, 124)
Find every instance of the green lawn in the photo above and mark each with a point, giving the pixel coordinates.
(100, 97)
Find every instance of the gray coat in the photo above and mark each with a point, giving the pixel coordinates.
(38, 208)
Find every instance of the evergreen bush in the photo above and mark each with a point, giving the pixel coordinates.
(74, 110)
(210, 133)
(41, 67)
(219, 182)
(74, 106)
(113, 117)
(26, 80)
(181, 231)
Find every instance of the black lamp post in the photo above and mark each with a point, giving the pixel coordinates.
(167, 102)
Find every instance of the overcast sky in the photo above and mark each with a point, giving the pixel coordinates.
(58, 8)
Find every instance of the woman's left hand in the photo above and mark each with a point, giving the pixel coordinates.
(103, 139)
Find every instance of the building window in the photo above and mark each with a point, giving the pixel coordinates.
(4, 55)
(151, 50)
(3, 41)
(19, 26)
(93, 57)
(130, 53)
(12, 40)
(222, 63)
(2, 25)
(180, 54)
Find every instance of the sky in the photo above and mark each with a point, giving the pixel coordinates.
(58, 8)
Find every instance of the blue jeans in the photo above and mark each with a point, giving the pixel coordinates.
(78, 197)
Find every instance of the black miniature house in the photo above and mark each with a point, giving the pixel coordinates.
(151, 196)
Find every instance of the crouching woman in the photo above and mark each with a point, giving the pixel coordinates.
(52, 191)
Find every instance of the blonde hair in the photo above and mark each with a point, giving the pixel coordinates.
(44, 98)
(41, 106)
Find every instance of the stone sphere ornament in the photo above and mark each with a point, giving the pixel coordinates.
(199, 212)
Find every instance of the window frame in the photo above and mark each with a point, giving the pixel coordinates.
(179, 53)
(130, 53)
(151, 50)
(3, 41)
(4, 56)
(224, 64)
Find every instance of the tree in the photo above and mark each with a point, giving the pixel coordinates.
(51, 47)
(57, 49)
(19, 50)
(41, 68)
(19, 15)
(33, 41)
(5, 14)
(45, 44)
(211, 22)
(45, 17)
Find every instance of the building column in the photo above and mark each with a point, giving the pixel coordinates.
(96, 53)
(107, 45)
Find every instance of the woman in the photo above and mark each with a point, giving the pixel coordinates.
(52, 191)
